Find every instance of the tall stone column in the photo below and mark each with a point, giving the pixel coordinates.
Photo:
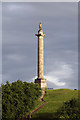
(40, 80)
(40, 52)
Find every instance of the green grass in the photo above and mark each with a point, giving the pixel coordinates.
(37, 104)
(54, 99)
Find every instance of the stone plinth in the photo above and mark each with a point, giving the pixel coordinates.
(42, 83)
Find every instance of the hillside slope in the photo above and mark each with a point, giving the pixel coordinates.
(54, 99)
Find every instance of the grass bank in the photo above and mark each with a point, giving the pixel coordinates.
(54, 99)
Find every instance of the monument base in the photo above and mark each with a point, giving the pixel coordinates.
(42, 83)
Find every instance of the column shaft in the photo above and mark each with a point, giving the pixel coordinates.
(40, 57)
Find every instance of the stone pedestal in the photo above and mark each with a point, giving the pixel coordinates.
(42, 83)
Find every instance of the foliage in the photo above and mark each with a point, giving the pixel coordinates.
(69, 110)
(18, 98)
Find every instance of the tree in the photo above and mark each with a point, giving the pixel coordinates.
(18, 98)
(69, 110)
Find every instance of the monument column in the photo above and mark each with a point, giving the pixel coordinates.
(40, 80)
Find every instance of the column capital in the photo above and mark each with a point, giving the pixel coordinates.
(40, 35)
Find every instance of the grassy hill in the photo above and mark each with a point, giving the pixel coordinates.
(54, 99)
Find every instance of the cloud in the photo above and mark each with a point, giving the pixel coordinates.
(58, 76)
(55, 80)
(40, 1)
(63, 71)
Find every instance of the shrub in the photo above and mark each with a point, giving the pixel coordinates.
(18, 98)
(69, 110)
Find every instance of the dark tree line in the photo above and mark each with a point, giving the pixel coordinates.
(18, 98)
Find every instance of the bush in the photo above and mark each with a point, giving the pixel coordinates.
(18, 98)
(69, 111)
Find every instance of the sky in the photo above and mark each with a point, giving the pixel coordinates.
(20, 23)
(40, 0)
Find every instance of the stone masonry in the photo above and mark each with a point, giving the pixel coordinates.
(40, 80)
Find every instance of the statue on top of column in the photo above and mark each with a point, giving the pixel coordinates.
(40, 26)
